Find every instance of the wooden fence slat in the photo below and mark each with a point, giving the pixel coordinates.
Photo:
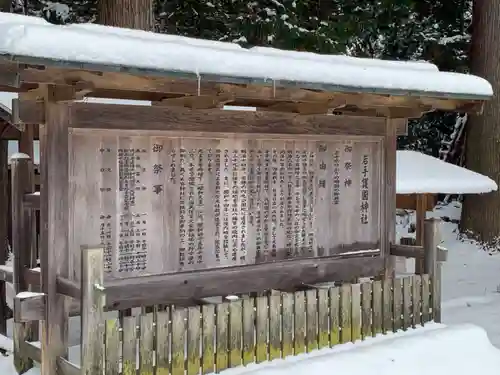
(406, 302)
(178, 340)
(299, 337)
(129, 342)
(334, 316)
(146, 344)
(287, 324)
(366, 310)
(387, 306)
(262, 329)
(208, 339)
(426, 317)
(311, 320)
(416, 300)
(163, 341)
(398, 304)
(112, 345)
(222, 332)
(356, 312)
(345, 313)
(323, 317)
(193, 341)
(377, 307)
(248, 331)
(274, 326)
(235, 333)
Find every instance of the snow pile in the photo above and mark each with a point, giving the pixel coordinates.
(23, 36)
(6, 101)
(420, 173)
(448, 350)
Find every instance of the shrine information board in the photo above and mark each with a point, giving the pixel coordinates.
(162, 204)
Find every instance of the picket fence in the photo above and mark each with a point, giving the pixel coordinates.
(211, 338)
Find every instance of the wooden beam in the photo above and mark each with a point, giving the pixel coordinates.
(54, 213)
(29, 307)
(65, 367)
(132, 117)
(417, 252)
(11, 75)
(148, 290)
(432, 266)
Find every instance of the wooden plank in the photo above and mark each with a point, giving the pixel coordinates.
(146, 344)
(129, 345)
(416, 300)
(323, 318)
(235, 333)
(163, 330)
(21, 246)
(248, 340)
(425, 299)
(92, 302)
(398, 304)
(311, 320)
(234, 280)
(274, 326)
(4, 228)
(334, 316)
(299, 323)
(222, 337)
(407, 251)
(366, 310)
(54, 218)
(112, 347)
(406, 303)
(345, 313)
(29, 307)
(113, 116)
(193, 341)
(262, 329)
(387, 305)
(179, 320)
(287, 317)
(377, 302)
(356, 317)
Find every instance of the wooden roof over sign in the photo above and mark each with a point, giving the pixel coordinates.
(102, 61)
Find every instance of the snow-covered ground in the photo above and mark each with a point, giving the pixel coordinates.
(471, 294)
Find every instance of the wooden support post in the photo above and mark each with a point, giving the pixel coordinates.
(4, 228)
(432, 266)
(26, 147)
(421, 210)
(388, 193)
(21, 167)
(92, 305)
(54, 212)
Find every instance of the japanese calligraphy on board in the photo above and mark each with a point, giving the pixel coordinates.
(160, 204)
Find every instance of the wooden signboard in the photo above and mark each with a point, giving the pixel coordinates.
(168, 204)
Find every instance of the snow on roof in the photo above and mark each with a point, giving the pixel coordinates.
(6, 101)
(420, 173)
(27, 39)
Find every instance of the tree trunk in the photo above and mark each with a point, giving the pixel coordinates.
(133, 14)
(481, 213)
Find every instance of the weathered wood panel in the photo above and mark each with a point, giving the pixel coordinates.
(163, 204)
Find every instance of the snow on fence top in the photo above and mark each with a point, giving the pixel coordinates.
(419, 173)
(6, 101)
(28, 39)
